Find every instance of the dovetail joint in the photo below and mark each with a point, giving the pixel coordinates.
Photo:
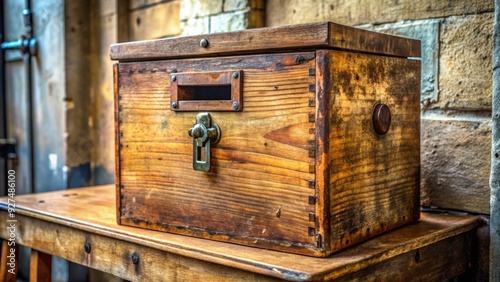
(312, 168)
(312, 200)
(312, 130)
(312, 87)
(311, 231)
(319, 240)
(312, 216)
(312, 153)
(312, 102)
(312, 72)
(312, 117)
(311, 183)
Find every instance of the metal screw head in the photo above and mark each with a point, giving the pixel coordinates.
(135, 258)
(204, 43)
(174, 78)
(87, 247)
(236, 105)
(174, 105)
(235, 75)
(381, 119)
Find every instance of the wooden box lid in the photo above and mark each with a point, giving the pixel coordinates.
(324, 35)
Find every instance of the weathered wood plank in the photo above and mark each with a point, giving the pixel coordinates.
(374, 179)
(260, 168)
(140, 4)
(161, 20)
(87, 214)
(317, 35)
(108, 30)
(40, 266)
(117, 257)
(6, 261)
(437, 262)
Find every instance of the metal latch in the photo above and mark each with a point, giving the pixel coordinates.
(26, 43)
(8, 149)
(204, 133)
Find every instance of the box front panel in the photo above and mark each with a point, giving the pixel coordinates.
(374, 177)
(259, 185)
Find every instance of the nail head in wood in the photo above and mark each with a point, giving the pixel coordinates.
(204, 43)
(87, 247)
(135, 258)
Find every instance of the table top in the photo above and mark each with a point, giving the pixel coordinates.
(92, 209)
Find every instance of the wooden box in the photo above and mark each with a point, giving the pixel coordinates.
(305, 138)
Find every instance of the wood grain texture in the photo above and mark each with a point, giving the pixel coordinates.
(157, 21)
(437, 262)
(87, 214)
(374, 179)
(116, 83)
(258, 190)
(301, 169)
(5, 275)
(311, 36)
(40, 266)
(322, 181)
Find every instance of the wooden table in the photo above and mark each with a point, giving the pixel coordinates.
(79, 225)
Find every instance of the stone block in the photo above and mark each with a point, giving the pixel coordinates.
(282, 12)
(195, 26)
(455, 163)
(228, 22)
(235, 5)
(199, 8)
(465, 66)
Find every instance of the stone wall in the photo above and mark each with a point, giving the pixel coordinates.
(495, 156)
(201, 17)
(456, 87)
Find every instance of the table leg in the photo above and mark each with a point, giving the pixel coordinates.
(9, 262)
(40, 266)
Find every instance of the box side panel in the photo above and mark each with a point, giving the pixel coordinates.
(116, 91)
(258, 190)
(322, 131)
(374, 179)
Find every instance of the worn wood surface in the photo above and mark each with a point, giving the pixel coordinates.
(77, 91)
(261, 168)
(141, 4)
(40, 266)
(304, 148)
(59, 223)
(436, 262)
(374, 179)
(155, 21)
(317, 35)
(5, 275)
(107, 20)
